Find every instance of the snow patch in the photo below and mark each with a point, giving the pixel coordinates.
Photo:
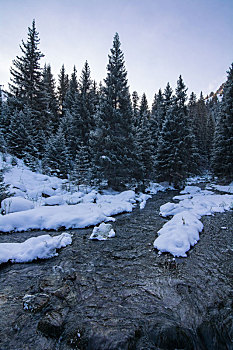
(16, 204)
(102, 232)
(42, 247)
(182, 231)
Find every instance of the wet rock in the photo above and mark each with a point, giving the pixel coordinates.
(118, 340)
(172, 336)
(77, 339)
(36, 302)
(62, 292)
(51, 324)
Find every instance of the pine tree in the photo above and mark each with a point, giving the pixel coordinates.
(114, 156)
(167, 99)
(19, 137)
(173, 162)
(158, 109)
(82, 168)
(63, 83)
(86, 104)
(135, 99)
(4, 193)
(56, 159)
(223, 141)
(50, 104)
(71, 96)
(26, 72)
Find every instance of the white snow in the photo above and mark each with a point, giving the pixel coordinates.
(47, 202)
(102, 232)
(15, 204)
(42, 247)
(182, 231)
(226, 189)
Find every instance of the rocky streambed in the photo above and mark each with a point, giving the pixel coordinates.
(120, 293)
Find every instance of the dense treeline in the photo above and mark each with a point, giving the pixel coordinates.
(92, 132)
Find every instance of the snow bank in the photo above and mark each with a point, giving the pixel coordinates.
(15, 204)
(47, 202)
(52, 218)
(182, 231)
(226, 189)
(154, 187)
(42, 247)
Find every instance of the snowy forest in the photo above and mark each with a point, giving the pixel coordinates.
(89, 133)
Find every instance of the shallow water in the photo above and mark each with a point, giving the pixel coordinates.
(121, 294)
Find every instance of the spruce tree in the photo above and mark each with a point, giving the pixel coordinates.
(26, 72)
(63, 83)
(173, 162)
(135, 99)
(50, 103)
(113, 140)
(71, 96)
(4, 192)
(19, 136)
(81, 174)
(223, 141)
(86, 104)
(158, 109)
(56, 159)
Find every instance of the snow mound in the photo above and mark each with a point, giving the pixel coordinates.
(226, 189)
(16, 204)
(42, 247)
(182, 231)
(102, 232)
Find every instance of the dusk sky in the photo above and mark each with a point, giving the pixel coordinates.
(161, 39)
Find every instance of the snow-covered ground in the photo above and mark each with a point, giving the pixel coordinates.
(47, 202)
(182, 231)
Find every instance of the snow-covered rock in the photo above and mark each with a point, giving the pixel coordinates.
(16, 204)
(102, 232)
(42, 247)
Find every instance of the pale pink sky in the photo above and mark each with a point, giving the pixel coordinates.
(161, 39)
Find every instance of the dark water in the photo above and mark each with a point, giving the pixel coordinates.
(120, 294)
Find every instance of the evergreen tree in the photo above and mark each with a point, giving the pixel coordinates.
(71, 96)
(135, 99)
(19, 137)
(113, 140)
(82, 169)
(50, 104)
(4, 193)
(200, 128)
(158, 109)
(167, 99)
(154, 128)
(173, 162)
(143, 141)
(56, 159)
(223, 141)
(144, 108)
(63, 83)
(87, 102)
(26, 72)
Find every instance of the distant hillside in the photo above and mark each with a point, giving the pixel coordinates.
(217, 93)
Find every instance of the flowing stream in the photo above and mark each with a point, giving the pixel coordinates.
(120, 293)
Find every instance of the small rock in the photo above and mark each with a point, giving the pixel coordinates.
(36, 302)
(62, 292)
(51, 324)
